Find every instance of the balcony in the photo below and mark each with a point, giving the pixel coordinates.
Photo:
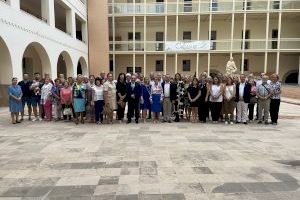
(251, 45)
(34, 8)
(204, 7)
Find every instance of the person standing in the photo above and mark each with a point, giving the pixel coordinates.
(26, 97)
(46, 98)
(264, 92)
(98, 100)
(79, 99)
(229, 103)
(121, 96)
(216, 99)
(169, 96)
(90, 108)
(145, 104)
(179, 102)
(203, 104)
(56, 99)
(15, 100)
(253, 99)
(66, 100)
(194, 94)
(110, 97)
(186, 101)
(243, 90)
(156, 99)
(275, 98)
(36, 97)
(134, 92)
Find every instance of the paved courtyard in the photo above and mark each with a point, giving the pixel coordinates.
(151, 162)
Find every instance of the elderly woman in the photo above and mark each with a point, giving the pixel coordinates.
(79, 98)
(121, 96)
(216, 98)
(15, 100)
(46, 98)
(275, 98)
(110, 98)
(66, 100)
(98, 100)
(156, 99)
(145, 104)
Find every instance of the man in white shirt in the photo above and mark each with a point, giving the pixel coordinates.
(243, 90)
(167, 104)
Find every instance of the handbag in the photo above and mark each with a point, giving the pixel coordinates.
(67, 111)
(121, 103)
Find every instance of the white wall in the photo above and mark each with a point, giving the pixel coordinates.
(19, 29)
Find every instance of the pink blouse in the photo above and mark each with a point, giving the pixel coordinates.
(66, 95)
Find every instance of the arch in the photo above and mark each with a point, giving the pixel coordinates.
(5, 63)
(36, 59)
(82, 66)
(291, 77)
(64, 64)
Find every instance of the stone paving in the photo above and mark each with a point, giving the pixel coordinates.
(61, 161)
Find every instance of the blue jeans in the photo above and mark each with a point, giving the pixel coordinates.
(98, 110)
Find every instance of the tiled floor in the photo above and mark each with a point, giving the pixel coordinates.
(60, 161)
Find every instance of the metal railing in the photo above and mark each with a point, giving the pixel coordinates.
(202, 7)
(216, 45)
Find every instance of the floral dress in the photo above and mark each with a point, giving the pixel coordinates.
(79, 94)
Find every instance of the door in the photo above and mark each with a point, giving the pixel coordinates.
(213, 36)
(159, 41)
(274, 39)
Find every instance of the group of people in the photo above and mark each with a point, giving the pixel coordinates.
(162, 98)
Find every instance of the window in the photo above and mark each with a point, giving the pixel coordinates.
(186, 65)
(246, 65)
(137, 70)
(160, 7)
(247, 37)
(137, 36)
(187, 35)
(159, 38)
(214, 5)
(188, 7)
(111, 65)
(248, 5)
(274, 39)
(276, 5)
(159, 66)
(213, 36)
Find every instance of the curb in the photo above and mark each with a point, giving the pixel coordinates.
(291, 102)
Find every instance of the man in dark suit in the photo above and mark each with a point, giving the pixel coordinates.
(134, 92)
(243, 95)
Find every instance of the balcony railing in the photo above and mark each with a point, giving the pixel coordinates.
(202, 7)
(215, 45)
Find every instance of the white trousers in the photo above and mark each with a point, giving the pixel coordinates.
(242, 111)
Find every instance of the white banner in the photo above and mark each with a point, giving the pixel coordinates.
(181, 46)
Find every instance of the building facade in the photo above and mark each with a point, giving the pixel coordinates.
(192, 36)
(45, 36)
